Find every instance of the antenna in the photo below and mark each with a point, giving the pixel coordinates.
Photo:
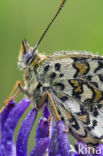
(59, 9)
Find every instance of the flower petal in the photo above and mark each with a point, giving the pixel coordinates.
(6, 112)
(3, 118)
(63, 139)
(23, 136)
(76, 154)
(53, 146)
(10, 125)
(41, 147)
(42, 129)
(46, 112)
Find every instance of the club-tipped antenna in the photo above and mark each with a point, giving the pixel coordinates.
(59, 9)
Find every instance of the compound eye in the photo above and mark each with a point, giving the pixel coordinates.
(27, 58)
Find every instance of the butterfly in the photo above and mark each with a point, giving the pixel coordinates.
(71, 82)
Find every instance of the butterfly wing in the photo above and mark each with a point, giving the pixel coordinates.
(75, 84)
(82, 124)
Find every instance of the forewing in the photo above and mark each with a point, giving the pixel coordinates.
(75, 81)
(80, 65)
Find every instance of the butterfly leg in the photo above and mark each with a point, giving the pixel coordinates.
(39, 105)
(18, 84)
(53, 105)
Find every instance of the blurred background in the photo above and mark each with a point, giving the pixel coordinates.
(79, 26)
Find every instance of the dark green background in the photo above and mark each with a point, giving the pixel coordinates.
(79, 26)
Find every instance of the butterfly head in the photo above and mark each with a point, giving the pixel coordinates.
(26, 55)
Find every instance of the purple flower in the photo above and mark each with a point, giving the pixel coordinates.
(51, 139)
